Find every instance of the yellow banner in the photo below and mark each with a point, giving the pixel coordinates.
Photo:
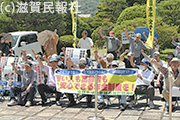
(74, 17)
(108, 84)
(150, 14)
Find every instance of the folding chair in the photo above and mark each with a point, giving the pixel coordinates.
(142, 95)
(14, 84)
(3, 85)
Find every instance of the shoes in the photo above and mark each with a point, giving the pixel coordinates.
(132, 104)
(12, 103)
(28, 104)
(90, 105)
(58, 103)
(72, 103)
(101, 106)
(41, 103)
(151, 104)
(173, 106)
(122, 106)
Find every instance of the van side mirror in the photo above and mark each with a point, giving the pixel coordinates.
(23, 43)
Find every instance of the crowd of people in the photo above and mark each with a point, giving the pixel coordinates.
(148, 71)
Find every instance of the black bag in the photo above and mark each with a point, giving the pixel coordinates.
(22, 98)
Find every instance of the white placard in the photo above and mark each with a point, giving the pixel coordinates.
(75, 54)
(124, 37)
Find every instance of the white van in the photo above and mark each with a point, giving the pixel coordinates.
(25, 40)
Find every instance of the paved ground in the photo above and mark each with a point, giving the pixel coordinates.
(80, 112)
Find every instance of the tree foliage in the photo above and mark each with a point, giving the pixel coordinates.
(110, 9)
(131, 13)
(169, 11)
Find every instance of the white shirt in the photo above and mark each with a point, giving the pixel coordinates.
(85, 44)
(147, 76)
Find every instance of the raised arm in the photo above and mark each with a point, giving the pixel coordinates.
(24, 55)
(100, 31)
(131, 60)
(64, 50)
(39, 60)
(33, 51)
(96, 55)
(145, 35)
(69, 63)
(173, 42)
(125, 29)
(15, 69)
(122, 55)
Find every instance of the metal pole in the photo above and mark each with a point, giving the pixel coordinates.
(170, 98)
(96, 100)
(96, 94)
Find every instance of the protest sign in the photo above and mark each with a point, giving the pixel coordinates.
(75, 54)
(8, 74)
(110, 81)
(124, 37)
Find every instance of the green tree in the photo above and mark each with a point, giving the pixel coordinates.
(131, 13)
(169, 10)
(82, 26)
(110, 9)
(65, 41)
(36, 21)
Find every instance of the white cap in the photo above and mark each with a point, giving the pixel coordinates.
(175, 59)
(54, 55)
(156, 53)
(129, 54)
(115, 62)
(138, 35)
(110, 55)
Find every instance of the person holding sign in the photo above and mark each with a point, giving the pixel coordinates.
(113, 44)
(143, 81)
(136, 46)
(81, 65)
(50, 86)
(85, 43)
(28, 89)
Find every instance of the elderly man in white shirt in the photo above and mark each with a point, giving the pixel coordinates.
(85, 43)
(143, 82)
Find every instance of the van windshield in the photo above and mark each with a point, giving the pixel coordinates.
(15, 39)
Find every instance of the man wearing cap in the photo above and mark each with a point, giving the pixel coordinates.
(29, 79)
(136, 46)
(170, 74)
(143, 82)
(86, 43)
(50, 86)
(113, 44)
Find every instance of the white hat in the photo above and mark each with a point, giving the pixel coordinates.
(156, 53)
(129, 54)
(110, 55)
(115, 62)
(138, 35)
(175, 59)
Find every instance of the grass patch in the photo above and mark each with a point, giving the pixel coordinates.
(166, 51)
